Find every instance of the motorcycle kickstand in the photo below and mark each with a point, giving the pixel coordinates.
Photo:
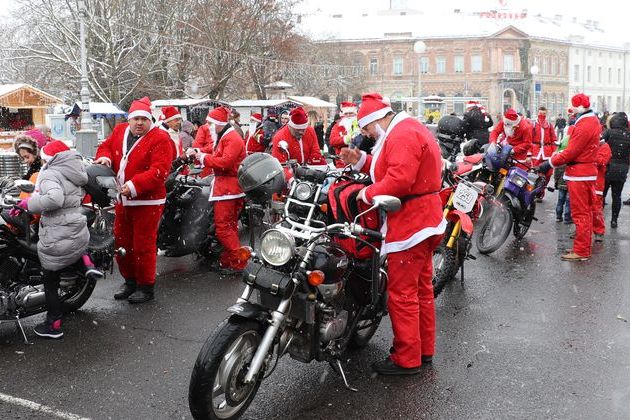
(19, 324)
(343, 376)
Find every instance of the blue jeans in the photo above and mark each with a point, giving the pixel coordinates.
(563, 204)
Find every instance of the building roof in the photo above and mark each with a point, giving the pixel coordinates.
(189, 102)
(258, 103)
(312, 102)
(352, 24)
(22, 95)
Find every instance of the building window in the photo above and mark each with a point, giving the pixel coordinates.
(618, 76)
(618, 103)
(440, 65)
(459, 64)
(476, 63)
(508, 62)
(424, 65)
(609, 76)
(588, 73)
(373, 66)
(576, 72)
(554, 66)
(398, 66)
(545, 69)
(599, 74)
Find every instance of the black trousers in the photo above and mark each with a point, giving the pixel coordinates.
(51, 281)
(616, 187)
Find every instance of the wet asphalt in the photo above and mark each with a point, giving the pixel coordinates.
(528, 336)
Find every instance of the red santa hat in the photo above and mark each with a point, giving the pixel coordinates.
(170, 113)
(471, 104)
(348, 107)
(218, 116)
(580, 103)
(140, 108)
(256, 117)
(373, 107)
(298, 118)
(52, 148)
(510, 117)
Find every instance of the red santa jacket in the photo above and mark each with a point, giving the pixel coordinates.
(337, 139)
(520, 140)
(225, 161)
(305, 151)
(144, 167)
(254, 143)
(544, 141)
(604, 154)
(581, 152)
(407, 164)
(203, 140)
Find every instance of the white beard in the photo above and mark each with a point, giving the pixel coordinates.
(213, 134)
(508, 130)
(252, 128)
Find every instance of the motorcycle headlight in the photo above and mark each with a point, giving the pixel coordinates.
(519, 181)
(303, 191)
(277, 247)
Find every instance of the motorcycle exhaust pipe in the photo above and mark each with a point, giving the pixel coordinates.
(34, 300)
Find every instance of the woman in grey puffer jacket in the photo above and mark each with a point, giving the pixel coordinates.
(63, 232)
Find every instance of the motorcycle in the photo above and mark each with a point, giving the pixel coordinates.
(516, 188)
(314, 300)
(187, 224)
(21, 287)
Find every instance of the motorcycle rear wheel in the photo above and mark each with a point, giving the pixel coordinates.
(76, 300)
(216, 390)
(485, 244)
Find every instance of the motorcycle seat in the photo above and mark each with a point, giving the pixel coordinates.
(474, 159)
(20, 221)
(30, 249)
(463, 168)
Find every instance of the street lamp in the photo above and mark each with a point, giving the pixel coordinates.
(534, 71)
(419, 47)
(86, 139)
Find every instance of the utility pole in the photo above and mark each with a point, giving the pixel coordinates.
(86, 138)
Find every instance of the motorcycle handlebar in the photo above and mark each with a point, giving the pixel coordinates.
(372, 234)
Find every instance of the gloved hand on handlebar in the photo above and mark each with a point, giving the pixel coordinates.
(22, 204)
(470, 147)
(543, 168)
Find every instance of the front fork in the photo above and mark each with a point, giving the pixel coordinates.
(458, 225)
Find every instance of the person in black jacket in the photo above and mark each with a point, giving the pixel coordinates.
(477, 122)
(561, 123)
(335, 120)
(618, 138)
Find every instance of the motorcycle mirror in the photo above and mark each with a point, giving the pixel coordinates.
(108, 182)
(387, 202)
(25, 186)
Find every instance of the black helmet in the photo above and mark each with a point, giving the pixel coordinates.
(94, 188)
(260, 176)
(451, 127)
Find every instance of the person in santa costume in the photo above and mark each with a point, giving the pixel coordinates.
(227, 195)
(140, 154)
(604, 153)
(405, 163)
(204, 140)
(516, 131)
(172, 124)
(580, 156)
(255, 139)
(301, 140)
(345, 130)
(544, 144)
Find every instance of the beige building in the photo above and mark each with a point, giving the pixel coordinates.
(495, 69)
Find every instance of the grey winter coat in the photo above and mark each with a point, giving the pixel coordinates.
(63, 232)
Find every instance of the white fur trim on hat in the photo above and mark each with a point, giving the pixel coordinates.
(298, 127)
(216, 122)
(349, 109)
(174, 117)
(44, 156)
(509, 122)
(139, 113)
(376, 115)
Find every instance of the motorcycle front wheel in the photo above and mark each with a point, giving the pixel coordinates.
(521, 228)
(494, 228)
(216, 389)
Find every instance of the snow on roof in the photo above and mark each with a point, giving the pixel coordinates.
(312, 101)
(182, 102)
(105, 108)
(357, 25)
(14, 87)
(257, 103)
(279, 85)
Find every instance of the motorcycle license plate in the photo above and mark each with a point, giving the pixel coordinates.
(464, 198)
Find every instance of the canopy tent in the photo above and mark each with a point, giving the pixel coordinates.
(192, 109)
(23, 105)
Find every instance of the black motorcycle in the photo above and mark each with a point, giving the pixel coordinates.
(21, 287)
(187, 225)
(313, 300)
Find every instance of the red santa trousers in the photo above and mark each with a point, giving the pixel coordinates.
(226, 214)
(136, 229)
(582, 194)
(410, 302)
(599, 224)
(548, 175)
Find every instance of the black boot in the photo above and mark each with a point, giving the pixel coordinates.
(125, 290)
(141, 295)
(613, 223)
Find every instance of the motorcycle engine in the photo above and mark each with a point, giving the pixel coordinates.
(333, 262)
(333, 324)
(9, 269)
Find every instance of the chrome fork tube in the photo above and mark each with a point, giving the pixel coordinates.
(247, 293)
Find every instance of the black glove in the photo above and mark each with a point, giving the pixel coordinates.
(470, 148)
(544, 167)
